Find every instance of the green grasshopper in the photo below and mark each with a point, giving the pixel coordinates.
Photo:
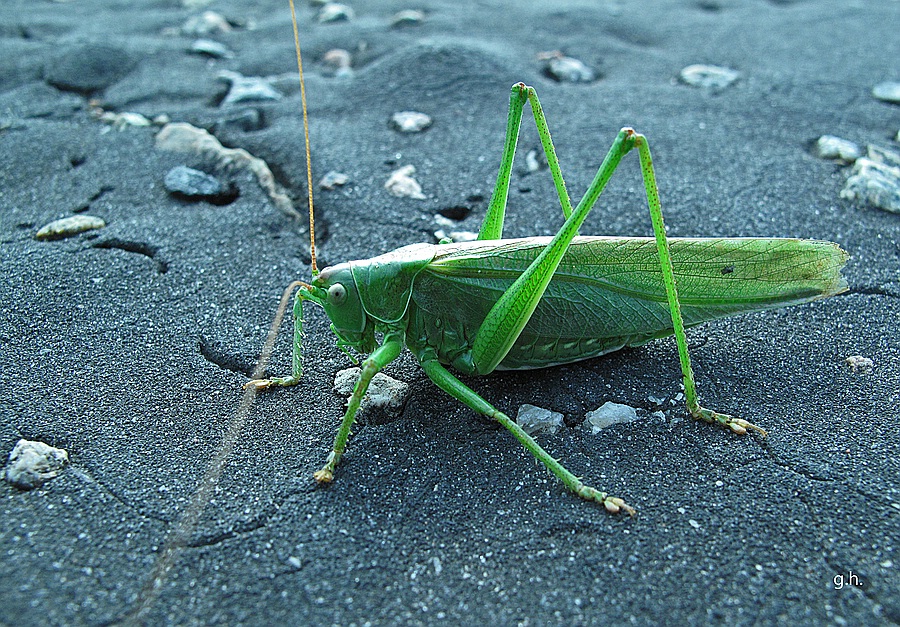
(537, 302)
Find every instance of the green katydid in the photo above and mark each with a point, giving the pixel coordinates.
(537, 302)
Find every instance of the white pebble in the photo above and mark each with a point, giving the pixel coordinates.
(456, 236)
(410, 121)
(333, 179)
(609, 414)
(66, 227)
(888, 91)
(33, 463)
(211, 48)
(403, 185)
(566, 69)
(533, 419)
(408, 17)
(335, 12)
(207, 23)
(858, 363)
(385, 393)
(831, 147)
(875, 179)
(712, 77)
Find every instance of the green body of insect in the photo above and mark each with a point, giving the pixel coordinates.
(538, 302)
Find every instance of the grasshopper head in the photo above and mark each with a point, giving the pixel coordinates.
(339, 296)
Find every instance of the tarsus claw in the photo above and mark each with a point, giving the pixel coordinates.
(614, 505)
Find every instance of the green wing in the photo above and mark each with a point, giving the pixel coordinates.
(608, 292)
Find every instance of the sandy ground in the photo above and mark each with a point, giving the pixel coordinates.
(127, 346)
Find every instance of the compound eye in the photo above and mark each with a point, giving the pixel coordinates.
(337, 294)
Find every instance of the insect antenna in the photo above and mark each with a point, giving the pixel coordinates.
(309, 184)
(180, 535)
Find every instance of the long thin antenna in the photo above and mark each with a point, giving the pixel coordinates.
(180, 534)
(309, 184)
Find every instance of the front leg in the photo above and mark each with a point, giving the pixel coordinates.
(383, 355)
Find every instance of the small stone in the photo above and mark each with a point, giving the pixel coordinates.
(609, 414)
(455, 236)
(247, 88)
(693, 523)
(123, 120)
(333, 179)
(182, 137)
(533, 419)
(335, 12)
(67, 227)
(658, 416)
(193, 184)
(410, 121)
(407, 17)
(207, 23)
(831, 147)
(87, 68)
(211, 48)
(294, 562)
(384, 398)
(31, 464)
(402, 185)
(875, 181)
(242, 120)
(565, 69)
(858, 363)
(888, 92)
(712, 77)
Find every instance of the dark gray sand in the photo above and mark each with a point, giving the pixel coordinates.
(127, 346)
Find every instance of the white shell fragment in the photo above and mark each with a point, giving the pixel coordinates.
(340, 61)
(247, 88)
(609, 414)
(534, 419)
(858, 363)
(888, 92)
(712, 77)
(403, 185)
(410, 121)
(385, 393)
(831, 147)
(875, 179)
(67, 227)
(31, 464)
(335, 12)
(333, 179)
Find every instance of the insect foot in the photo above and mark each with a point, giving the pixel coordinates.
(323, 476)
(265, 384)
(613, 504)
(738, 425)
(258, 384)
